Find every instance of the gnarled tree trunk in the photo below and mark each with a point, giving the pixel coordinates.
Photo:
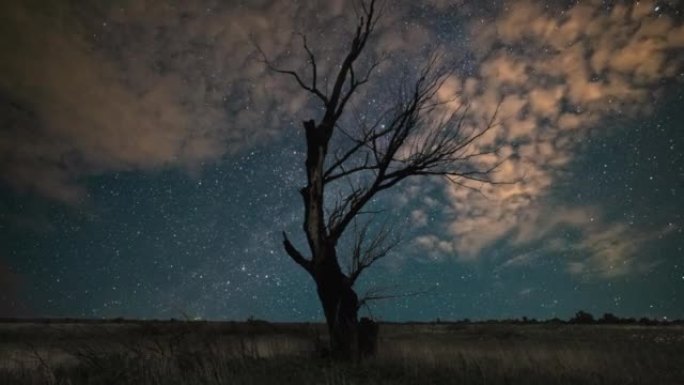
(338, 299)
(340, 305)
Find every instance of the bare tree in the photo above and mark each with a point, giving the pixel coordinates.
(413, 137)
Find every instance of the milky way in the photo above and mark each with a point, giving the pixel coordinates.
(149, 160)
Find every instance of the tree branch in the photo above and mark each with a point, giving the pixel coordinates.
(312, 88)
(366, 251)
(295, 254)
(441, 151)
(379, 294)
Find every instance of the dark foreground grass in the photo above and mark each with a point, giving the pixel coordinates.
(188, 353)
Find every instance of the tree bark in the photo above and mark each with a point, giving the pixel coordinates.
(339, 301)
(340, 305)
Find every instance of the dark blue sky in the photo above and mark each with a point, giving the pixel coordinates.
(149, 170)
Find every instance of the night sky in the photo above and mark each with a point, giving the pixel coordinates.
(149, 160)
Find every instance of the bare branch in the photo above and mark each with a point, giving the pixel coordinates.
(369, 249)
(295, 254)
(312, 88)
(364, 29)
(379, 294)
(437, 149)
(312, 61)
(369, 135)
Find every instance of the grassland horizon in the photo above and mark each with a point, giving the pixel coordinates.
(121, 351)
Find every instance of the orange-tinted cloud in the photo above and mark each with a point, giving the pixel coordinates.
(149, 85)
(557, 73)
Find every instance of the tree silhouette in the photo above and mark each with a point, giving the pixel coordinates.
(609, 318)
(414, 136)
(582, 317)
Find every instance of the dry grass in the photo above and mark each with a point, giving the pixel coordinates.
(230, 353)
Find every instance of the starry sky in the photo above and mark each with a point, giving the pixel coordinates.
(149, 160)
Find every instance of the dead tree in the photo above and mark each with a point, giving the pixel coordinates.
(413, 137)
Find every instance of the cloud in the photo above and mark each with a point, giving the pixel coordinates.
(606, 249)
(147, 85)
(600, 248)
(419, 218)
(614, 251)
(519, 260)
(557, 73)
(69, 112)
(142, 86)
(526, 292)
(436, 247)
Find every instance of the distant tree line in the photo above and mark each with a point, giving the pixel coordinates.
(581, 317)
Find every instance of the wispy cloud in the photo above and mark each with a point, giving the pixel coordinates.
(602, 249)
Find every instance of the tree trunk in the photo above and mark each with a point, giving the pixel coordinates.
(340, 305)
(340, 309)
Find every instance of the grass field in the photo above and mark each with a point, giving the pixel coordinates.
(170, 353)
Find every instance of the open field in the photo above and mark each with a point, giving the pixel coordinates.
(170, 353)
